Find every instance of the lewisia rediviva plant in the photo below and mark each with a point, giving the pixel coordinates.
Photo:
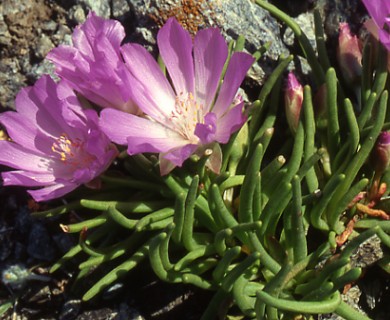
(263, 206)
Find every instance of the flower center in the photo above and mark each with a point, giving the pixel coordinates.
(187, 114)
(71, 151)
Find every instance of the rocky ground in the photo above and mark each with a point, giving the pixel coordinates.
(29, 29)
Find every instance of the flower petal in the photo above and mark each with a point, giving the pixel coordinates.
(206, 131)
(63, 58)
(229, 123)
(175, 45)
(150, 90)
(19, 128)
(96, 27)
(15, 156)
(52, 192)
(94, 66)
(141, 135)
(210, 54)
(178, 155)
(26, 178)
(377, 10)
(238, 66)
(41, 104)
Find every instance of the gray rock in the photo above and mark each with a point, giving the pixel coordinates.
(120, 8)
(62, 35)
(5, 36)
(257, 26)
(37, 70)
(77, 14)
(49, 26)
(42, 46)
(11, 80)
(100, 7)
(28, 31)
(103, 8)
(368, 253)
(306, 23)
(352, 298)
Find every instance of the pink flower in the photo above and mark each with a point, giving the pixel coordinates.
(293, 99)
(349, 54)
(93, 66)
(379, 11)
(185, 117)
(56, 145)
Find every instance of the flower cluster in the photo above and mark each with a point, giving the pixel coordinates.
(242, 225)
(58, 144)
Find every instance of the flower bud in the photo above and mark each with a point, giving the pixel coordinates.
(380, 156)
(349, 54)
(293, 98)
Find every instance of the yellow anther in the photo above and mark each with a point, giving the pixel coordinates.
(63, 146)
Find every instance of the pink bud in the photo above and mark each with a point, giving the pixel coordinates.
(349, 54)
(293, 98)
(380, 156)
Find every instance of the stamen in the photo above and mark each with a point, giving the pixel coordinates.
(67, 149)
(187, 114)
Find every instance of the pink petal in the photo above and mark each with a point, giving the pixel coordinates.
(63, 57)
(24, 105)
(175, 45)
(27, 179)
(178, 155)
(206, 131)
(41, 104)
(43, 144)
(229, 123)
(210, 54)
(239, 65)
(19, 128)
(94, 66)
(96, 28)
(377, 10)
(141, 135)
(152, 92)
(80, 41)
(105, 51)
(52, 192)
(70, 107)
(111, 29)
(15, 156)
